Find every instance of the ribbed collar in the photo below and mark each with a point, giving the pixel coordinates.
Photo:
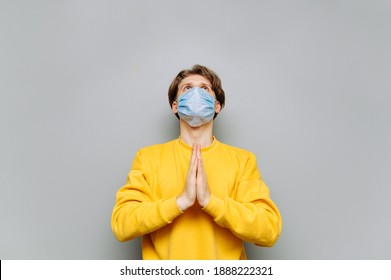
(211, 147)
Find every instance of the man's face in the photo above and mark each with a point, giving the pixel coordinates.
(195, 81)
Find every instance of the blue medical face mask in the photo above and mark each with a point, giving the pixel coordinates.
(196, 107)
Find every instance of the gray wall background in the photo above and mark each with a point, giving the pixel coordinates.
(83, 86)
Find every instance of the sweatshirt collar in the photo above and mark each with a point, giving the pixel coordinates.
(211, 147)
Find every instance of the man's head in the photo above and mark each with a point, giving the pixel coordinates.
(198, 76)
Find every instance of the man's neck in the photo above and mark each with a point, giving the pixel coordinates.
(202, 135)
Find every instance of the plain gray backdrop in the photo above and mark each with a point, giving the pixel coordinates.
(84, 85)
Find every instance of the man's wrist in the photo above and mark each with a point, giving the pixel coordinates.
(203, 202)
(182, 203)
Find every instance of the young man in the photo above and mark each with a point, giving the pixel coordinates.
(195, 197)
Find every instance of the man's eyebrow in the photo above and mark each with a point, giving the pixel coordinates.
(187, 84)
(192, 84)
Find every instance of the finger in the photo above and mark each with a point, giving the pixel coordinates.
(192, 158)
(201, 175)
(194, 167)
(200, 166)
(199, 151)
(201, 159)
(194, 152)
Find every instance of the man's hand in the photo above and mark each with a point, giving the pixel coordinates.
(187, 198)
(196, 186)
(203, 193)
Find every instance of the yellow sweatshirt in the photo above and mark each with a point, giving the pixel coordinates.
(240, 208)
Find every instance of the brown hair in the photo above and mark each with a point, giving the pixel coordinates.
(197, 70)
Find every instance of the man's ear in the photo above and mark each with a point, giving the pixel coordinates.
(174, 107)
(217, 107)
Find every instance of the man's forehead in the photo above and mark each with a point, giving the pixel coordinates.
(195, 80)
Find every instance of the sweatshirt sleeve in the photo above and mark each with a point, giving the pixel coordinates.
(136, 211)
(250, 215)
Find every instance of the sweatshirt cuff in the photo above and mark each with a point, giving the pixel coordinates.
(215, 207)
(170, 209)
